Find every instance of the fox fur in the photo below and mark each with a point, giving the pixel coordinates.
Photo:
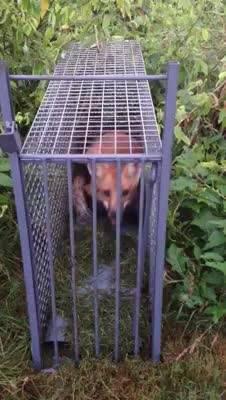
(106, 174)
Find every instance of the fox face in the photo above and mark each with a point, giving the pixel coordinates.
(106, 182)
(106, 173)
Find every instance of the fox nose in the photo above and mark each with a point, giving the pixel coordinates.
(112, 216)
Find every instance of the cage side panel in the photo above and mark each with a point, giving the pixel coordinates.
(36, 204)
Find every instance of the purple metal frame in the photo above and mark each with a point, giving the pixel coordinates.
(163, 193)
(23, 224)
(109, 77)
(154, 187)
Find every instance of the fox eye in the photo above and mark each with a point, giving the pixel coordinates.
(107, 193)
(125, 192)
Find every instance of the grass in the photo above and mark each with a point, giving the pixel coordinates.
(106, 250)
(198, 373)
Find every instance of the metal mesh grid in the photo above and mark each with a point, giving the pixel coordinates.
(74, 113)
(36, 207)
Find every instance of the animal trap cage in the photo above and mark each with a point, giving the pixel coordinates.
(92, 91)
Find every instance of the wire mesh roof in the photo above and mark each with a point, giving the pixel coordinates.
(75, 114)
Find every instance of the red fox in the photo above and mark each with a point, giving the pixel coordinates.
(106, 176)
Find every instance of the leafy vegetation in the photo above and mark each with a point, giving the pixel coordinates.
(197, 227)
(32, 34)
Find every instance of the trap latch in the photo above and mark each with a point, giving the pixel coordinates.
(10, 141)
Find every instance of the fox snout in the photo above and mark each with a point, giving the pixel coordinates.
(106, 173)
(106, 178)
(112, 215)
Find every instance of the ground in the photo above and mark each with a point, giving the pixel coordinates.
(193, 366)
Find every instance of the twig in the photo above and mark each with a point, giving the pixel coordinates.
(214, 340)
(191, 348)
(188, 322)
(109, 390)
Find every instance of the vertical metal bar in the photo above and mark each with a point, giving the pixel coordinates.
(73, 264)
(170, 110)
(148, 197)
(117, 260)
(22, 218)
(152, 237)
(140, 261)
(95, 267)
(148, 179)
(51, 264)
(5, 96)
(150, 216)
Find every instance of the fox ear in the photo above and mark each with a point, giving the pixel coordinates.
(133, 170)
(99, 169)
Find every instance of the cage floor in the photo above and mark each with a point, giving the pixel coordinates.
(74, 114)
(106, 299)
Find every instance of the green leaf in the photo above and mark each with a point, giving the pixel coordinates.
(210, 198)
(181, 137)
(220, 223)
(222, 76)
(26, 4)
(222, 118)
(5, 180)
(201, 66)
(182, 183)
(106, 22)
(38, 69)
(202, 220)
(197, 252)
(53, 20)
(176, 259)
(27, 29)
(213, 277)
(4, 165)
(4, 199)
(188, 159)
(212, 165)
(49, 33)
(212, 256)
(208, 292)
(194, 301)
(217, 238)
(223, 163)
(181, 113)
(205, 34)
(222, 189)
(217, 312)
(202, 99)
(220, 266)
